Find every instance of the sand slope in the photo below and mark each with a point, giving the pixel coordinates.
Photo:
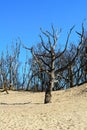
(26, 111)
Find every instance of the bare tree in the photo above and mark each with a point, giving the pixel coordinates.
(46, 59)
(14, 66)
(9, 65)
(3, 73)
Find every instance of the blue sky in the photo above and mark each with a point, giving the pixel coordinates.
(23, 18)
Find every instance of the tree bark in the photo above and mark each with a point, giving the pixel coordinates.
(48, 94)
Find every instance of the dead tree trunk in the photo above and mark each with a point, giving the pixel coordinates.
(48, 94)
(4, 88)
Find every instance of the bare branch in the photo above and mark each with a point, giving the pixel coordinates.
(47, 35)
(54, 35)
(42, 42)
(27, 48)
(38, 61)
(81, 35)
(77, 52)
(66, 43)
(43, 55)
(45, 63)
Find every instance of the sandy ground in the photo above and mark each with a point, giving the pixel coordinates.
(26, 111)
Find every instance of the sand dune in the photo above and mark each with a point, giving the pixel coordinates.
(27, 111)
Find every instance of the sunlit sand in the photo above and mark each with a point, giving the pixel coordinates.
(27, 111)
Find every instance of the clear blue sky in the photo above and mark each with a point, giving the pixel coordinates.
(23, 18)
